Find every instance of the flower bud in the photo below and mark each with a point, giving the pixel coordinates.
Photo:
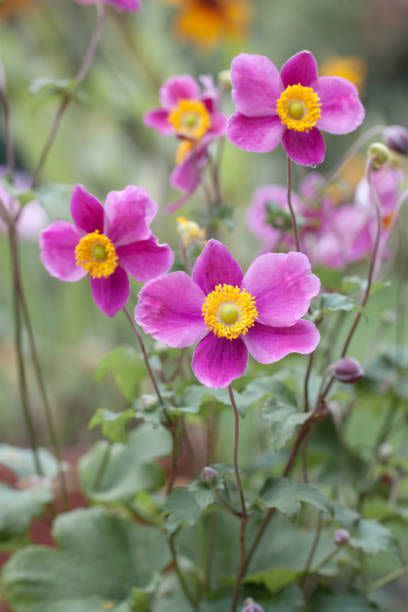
(224, 79)
(251, 606)
(396, 139)
(379, 154)
(347, 370)
(208, 474)
(342, 537)
(190, 232)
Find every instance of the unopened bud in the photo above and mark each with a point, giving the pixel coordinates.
(342, 537)
(208, 474)
(251, 606)
(396, 139)
(224, 79)
(347, 370)
(379, 154)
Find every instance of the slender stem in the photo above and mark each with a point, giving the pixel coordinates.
(391, 577)
(180, 575)
(7, 132)
(326, 559)
(313, 548)
(290, 205)
(174, 456)
(41, 384)
(370, 278)
(18, 339)
(307, 381)
(102, 466)
(69, 95)
(244, 515)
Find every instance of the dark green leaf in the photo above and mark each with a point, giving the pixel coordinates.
(286, 496)
(113, 424)
(126, 367)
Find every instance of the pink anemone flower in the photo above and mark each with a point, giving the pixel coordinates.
(123, 5)
(108, 243)
(289, 107)
(230, 314)
(32, 217)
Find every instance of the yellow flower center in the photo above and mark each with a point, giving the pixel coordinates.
(299, 108)
(190, 119)
(96, 254)
(229, 311)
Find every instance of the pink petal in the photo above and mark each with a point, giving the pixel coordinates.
(269, 344)
(128, 214)
(125, 5)
(283, 286)
(158, 119)
(342, 110)
(218, 124)
(57, 244)
(256, 85)
(214, 266)
(86, 210)
(169, 309)
(182, 87)
(187, 175)
(299, 69)
(255, 134)
(310, 185)
(257, 212)
(145, 259)
(111, 294)
(304, 148)
(218, 361)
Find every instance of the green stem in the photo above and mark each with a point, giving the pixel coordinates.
(391, 577)
(290, 205)
(182, 579)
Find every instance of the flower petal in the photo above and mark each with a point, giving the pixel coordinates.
(255, 134)
(304, 148)
(187, 175)
(283, 286)
(128, 214)
(258, 213)
(182, 87)
(169, 309)
(214, 266)
(300, 69)
(269, 344)
(158, 119)
(57, 244)
(342, 110)
(256, 85)
(218, 361)
(145, 259)
(111, 294)
(86, 210)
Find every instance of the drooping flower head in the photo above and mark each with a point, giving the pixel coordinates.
(289, 107)
(231, 314)
(189, 113)
(206, 22)
(123, 5)
(107, 243)
(32, 217)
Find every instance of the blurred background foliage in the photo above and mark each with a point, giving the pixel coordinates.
(104, 145)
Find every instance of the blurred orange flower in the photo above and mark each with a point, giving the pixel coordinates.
(205, 22)
(12, 7)
(349, 67)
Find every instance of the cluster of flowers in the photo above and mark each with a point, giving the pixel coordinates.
(227, 313)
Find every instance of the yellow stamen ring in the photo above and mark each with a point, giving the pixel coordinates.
(190, 119)
(96, 254)
(299, 108)
(229, 311)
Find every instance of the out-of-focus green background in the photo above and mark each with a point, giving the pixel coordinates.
(104, 145)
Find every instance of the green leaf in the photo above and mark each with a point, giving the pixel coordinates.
(128, 467)
(18, 508)
(21, 461)
(99, 560)
(113, 424)
(197, 397)
(283, 420)
(51, 86)
(371, 537)
(274, 579)
(324, 601)
(182, 509)
(336, 302)
(126, 367)
(286, 496)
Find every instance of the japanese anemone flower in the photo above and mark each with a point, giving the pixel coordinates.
(108, 243)
(230, 314)
(291, 107)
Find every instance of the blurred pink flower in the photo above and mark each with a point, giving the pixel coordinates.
(32, 218)
(123, 5)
